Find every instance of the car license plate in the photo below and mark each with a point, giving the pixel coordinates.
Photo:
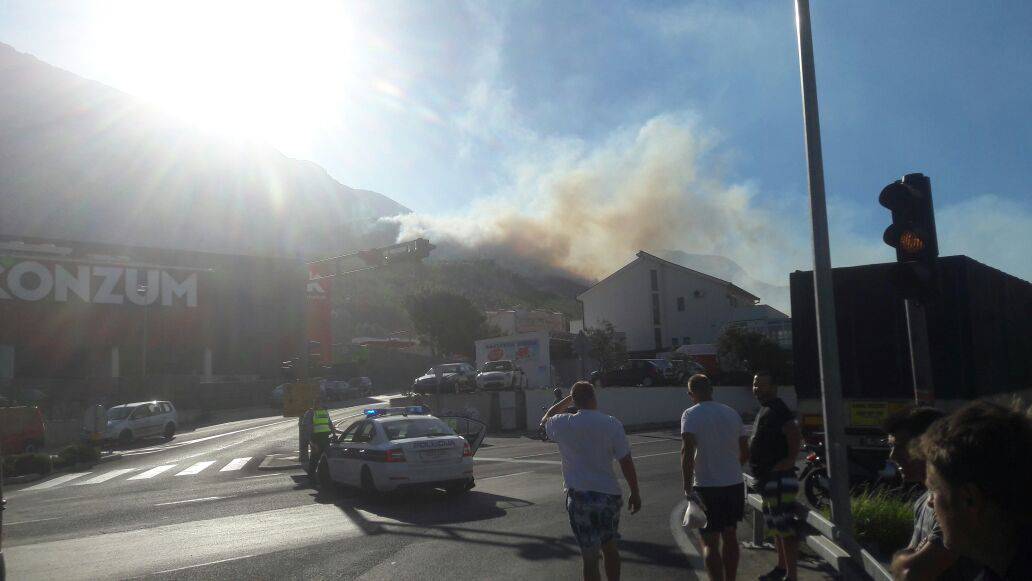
(433, 454)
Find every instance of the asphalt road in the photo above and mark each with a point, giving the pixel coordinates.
(202, 506)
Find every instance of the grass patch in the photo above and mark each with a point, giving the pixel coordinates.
(882, 520)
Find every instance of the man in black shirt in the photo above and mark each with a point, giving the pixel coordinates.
(773, 449)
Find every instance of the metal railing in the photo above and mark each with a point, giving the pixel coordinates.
(822, 536)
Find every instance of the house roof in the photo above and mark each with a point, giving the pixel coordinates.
(642, 255)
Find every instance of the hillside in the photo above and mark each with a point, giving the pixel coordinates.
(373, 304)
(82, 161)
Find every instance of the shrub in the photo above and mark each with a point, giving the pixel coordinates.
(78, 453)
(21, 464)
(882, 520)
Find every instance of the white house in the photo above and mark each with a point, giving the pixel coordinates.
(661, 305)
(765, 320)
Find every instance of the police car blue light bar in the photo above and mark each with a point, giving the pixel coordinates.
(408, 410)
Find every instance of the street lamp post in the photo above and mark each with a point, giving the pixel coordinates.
(824, 298)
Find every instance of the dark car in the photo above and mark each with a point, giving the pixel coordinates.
(635, 372)
(454, 377)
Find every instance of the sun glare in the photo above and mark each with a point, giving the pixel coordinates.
(274, 71)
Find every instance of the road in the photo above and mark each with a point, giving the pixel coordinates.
(203, 506)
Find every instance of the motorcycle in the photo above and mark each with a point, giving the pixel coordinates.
(869, 467)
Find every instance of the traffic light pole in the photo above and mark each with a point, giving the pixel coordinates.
(920, 356)
(824, 297)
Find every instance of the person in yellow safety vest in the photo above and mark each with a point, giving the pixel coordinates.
(322, 427)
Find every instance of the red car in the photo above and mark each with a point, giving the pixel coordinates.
(21, 430)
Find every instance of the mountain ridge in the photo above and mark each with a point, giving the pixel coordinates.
(81, 160)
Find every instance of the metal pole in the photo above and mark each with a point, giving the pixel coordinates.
(824, 297)
(920, 357)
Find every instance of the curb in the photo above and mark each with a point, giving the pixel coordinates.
(267, 463)
(23, 478)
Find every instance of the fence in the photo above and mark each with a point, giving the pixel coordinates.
(822, 536)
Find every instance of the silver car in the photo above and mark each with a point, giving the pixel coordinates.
(145, 419)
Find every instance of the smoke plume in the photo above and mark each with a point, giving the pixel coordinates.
(588, 212)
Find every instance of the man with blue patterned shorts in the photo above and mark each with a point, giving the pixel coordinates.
(588, 442)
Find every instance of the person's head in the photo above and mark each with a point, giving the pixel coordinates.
(903, 428)
(584, 396)
(700, 388)
(979, 474)
(762, 386)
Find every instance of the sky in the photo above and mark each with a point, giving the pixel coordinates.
(588, 130)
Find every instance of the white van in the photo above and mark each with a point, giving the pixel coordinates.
(145, 419)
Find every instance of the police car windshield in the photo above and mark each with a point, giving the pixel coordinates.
(417, 428)
(119, 413)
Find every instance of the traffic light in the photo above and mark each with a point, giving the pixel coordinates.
(912, 234)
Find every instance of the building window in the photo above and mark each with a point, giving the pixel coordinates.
(655, 280)
(655, 309)
(676, 342)
(659, 338)
(687, 340)
(680, 303)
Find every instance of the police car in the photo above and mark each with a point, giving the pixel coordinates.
(403, 448)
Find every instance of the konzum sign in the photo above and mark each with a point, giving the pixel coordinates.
(101, 284)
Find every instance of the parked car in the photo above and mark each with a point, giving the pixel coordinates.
(669, 370)
(145, 419)
(635, 372)
(22, 429)
(276, 396)
(502, 374)
(362, 385)
(685, 369)
(455, 377)
(335, 390)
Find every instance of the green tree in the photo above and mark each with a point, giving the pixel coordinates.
(741, 353)
(605, 346)
(449, 323)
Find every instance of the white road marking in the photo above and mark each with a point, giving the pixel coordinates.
(659, 454)
(517, 461)
(182, 544)
(205, 499)
(205, 564)
(503, 475)
(236, 464)
(263, 475)
(196, 468)
(25, 522)
(152, 472)
(175, 445)
(105, 476)
(56, 481)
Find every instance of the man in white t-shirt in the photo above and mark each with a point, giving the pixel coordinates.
(589, 441)
(714, 447)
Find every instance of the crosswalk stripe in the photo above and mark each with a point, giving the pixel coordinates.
(152, 472)
(196, 468)
(105, 476)
(57, 481)
(236, 464)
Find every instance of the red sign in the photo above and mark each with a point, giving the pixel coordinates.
(319, 312)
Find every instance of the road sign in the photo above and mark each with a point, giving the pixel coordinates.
(298, 398)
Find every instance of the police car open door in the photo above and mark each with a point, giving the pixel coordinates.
(473, 430)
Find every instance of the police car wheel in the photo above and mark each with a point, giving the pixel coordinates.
(125, 438)
(460, 488)
(170, 431)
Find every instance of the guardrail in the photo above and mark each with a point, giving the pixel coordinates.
(822, 536)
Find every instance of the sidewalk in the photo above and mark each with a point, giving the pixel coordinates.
(753, 562)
